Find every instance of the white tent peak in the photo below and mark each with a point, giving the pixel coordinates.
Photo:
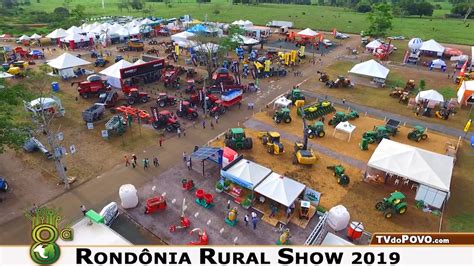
(24, 37)
(57, 33)
(35, 36)
(67, 60)
(432, 46)
(139, 62)
(308, 32)
(74, 29)
(370, 68)
(373, 44)
(114, 70)
(430, 95)
(280, 188)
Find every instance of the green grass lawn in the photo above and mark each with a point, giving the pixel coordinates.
(315, 17)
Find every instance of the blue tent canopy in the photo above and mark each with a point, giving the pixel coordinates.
(198, 29)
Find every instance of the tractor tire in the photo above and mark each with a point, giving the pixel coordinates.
(131, 101)
(264, 140)
(270, 149)
(388, 214)
(190, 116)
(161, 104)
(179, 114)
(169, 128)
(144, 99)
(402, 210)
(85, 95)
(230, 143)
(379, 206)
(288, 120)
(248, 144)
(5, 186)
(277, 120)
(195, 115)
(311, 135)
(222, 111)
(424, 137)
(321, 134)
(155, 125)
(331, 122)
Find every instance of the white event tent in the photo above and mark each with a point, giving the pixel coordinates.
(36, 36)
(433, 47)
(245, 173)
(429, 95)
(421, 166)
(373, 45)
(113, 73)
(65, 64)
(280, 188)
(57, 33)
(182, 38)
(370, 68)
(24, 38)
(307, 33)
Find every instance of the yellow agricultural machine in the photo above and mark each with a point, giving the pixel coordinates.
(272, 142)
(303, 154)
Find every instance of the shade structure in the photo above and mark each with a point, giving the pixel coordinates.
(35, 36)
(244, 40)
(449, 51)
(24, 38)
(438, 63)
(280, 188)
(421, 166)
(4, 75)
(308, 33)
(246, 173)
(139, 62)
(370, 68)
(57, 33)
(345, 127)
(243, 23)
(113, 72)
(75, 37)
(465, 92)
(429, 95)
(373, 44)
(75, 29)
(67, 60)
(432, 46)
(182, 36)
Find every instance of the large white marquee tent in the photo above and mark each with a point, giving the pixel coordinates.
(433, 47)
(370, 68)
(246, 173)
(280, 188)
(65, 64)
(113, 73)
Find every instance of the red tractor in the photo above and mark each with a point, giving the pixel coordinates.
(163, 119)
(185, 110)
(171, 76)
(217, 108)
(165, 100)
(94, 85)
(190, 86)
(134, 96)
(222, 80)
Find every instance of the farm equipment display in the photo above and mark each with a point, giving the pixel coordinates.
(235, 139)
(165, 100)
(184, 221)
(133, 45)
(338, 171)
(417, 134)
(392, 126)
(101, 62)
(188, 184)
(116, 125)
(134, 96)
(163, 119)
(394, 204)
(316, 130)
(337, 118)
(93, 113)
(204, 199)
(217, 108)
(109, 98)
(340, 82)
(222, 80)
(93, 85)
(303, 154)
(190, 86)
(282, 115)
(185, 110)
(317, 110)
(203, 239)
(376, 135)
(295, 95)
(3, 184)
(154, 204)
(171, 77)
(33, 144)
(272, 142)
(323, 77)
(444, 113)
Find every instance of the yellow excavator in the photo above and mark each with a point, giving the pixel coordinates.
(303, 154)
(271, 140)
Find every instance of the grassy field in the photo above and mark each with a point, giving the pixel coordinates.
(315, 17)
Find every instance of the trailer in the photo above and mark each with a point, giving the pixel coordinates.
(93, 113)
(231, 97)
(280, 23)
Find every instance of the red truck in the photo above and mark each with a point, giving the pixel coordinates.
(94, 85)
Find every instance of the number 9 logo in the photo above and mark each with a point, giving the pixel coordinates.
(44, 249)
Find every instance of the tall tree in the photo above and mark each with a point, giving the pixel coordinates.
(380, 19)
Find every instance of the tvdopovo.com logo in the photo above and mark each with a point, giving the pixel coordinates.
(45, 232)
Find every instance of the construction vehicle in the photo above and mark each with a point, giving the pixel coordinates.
(3, 184)
(316, 130)
(163, 119)
(352, 115)
(116, 125)
(337, 118)
(165, 100)
(272, 142)
(295, 95)
(134, 96)
(339, 172)
(303, 154)
(340, 82)
(93, 113)
(417, 134)
(317, 110)
(93, 85)
(235, 139)
(185, 110)
(282, 115)
(323, 77)
(376, 135)
(394, 204)
(101, 62)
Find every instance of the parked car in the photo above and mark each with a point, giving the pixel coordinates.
(340, 35)
(327, 42)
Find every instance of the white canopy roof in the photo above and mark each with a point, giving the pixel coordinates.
(243, 23)
(421, 166)
(57, 33)
(114, 70)
(373, 44)
(432, 46)
(67, 60)
(184, 35)
(24, 37)
(438, 62)
(76, 37)
(139, 62)
(280, 188)
(430, 95)
(74, 29)
(4, 75)
(146, 21)
(246, 173)
(308, 32)
(35, 36)
(334, 240)
(282, 102)
(370, 68)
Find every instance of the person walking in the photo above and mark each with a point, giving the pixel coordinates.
(246, 220)
(179, 132)
(184, 132)
(203, 124)
(216, 118)
(34, 210)
(145, 163)
(228, 205)
(188, 164)
(185, 157)
(127, 161)
(240, 104)
(161, 141)
(212, 125)
(134, 160)
(254, 222)
(273, 209)
(156, 163)
(83, 210)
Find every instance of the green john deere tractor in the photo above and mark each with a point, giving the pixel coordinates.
(316, 130)
(352, 115)
(282, 115)
(295, 95)
(235, 139)
(417, 134)
(338, 171)
(393, 204)
(376, 135)
(337, 118)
